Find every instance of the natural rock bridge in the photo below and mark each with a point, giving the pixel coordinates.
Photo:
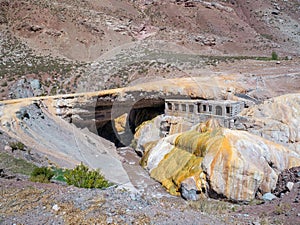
(98, 111)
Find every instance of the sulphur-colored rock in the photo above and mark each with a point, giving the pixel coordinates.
(120, 123)
(241, 163)
(230, 163)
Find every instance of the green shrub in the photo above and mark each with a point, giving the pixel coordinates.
(17, 146)
(274, 56)
(82, 177)
(41, 174)
(59, 174)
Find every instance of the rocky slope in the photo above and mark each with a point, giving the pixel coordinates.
(52, 203)
(70, 46)
(84, 31)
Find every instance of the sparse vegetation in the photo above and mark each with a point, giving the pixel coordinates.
(267, 36)
(282, 208)
(47, 69)
(81, 176)
(274, 56)
(210, 206)
(41, 174)
(14, 165)
(59, 174)
(265, 221)
(17, 146)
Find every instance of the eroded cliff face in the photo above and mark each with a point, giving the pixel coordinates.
(61, 143)
(217, 162)
(276, 119)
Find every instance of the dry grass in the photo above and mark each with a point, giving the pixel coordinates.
(210, 206)
(282, 208)
(14, 165)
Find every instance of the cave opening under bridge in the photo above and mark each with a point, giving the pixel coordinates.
(117, 122)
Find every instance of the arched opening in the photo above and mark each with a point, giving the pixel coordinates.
(132, 115)
(219, 110)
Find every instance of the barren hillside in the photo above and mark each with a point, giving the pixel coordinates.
(66, 44)
(84, 30)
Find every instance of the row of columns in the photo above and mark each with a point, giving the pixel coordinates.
(214, 109)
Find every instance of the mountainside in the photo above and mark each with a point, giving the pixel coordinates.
(85, 30)
(75, 46)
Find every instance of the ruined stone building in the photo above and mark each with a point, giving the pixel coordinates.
(196, 111)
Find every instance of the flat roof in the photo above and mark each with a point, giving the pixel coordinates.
(202, 100)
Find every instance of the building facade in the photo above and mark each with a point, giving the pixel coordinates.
(201, 110)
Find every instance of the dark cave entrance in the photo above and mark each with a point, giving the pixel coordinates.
(137, 113)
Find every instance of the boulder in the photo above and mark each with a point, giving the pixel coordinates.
(188, 189)
(268, 197)
(228, 163)
(7, 148)
(35, 84)
(25, 88)
(55, 207)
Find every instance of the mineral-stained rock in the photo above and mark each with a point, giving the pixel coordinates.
(276, 120)
(228, 163)
(120, 123)
(241, 164)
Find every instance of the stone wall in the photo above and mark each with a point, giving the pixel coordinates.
(197, 111)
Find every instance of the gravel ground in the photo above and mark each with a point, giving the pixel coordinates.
(23, 202)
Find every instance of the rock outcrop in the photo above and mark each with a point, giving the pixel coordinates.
(62, 143)
(225, 163)
(276, 120)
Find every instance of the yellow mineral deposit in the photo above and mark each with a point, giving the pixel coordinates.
(235, 164)
(120, 123)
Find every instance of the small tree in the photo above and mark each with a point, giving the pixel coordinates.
(82, 177)
(41, 174)
(274, 56)
(17, 146)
